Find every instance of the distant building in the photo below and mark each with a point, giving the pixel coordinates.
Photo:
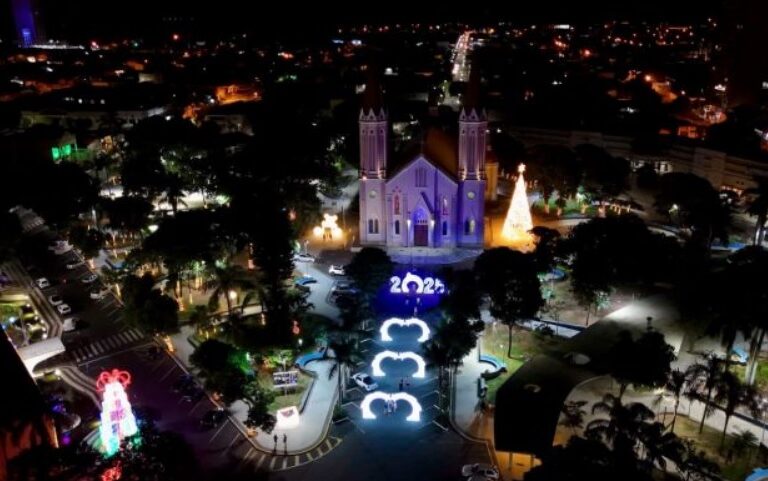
(436, 198)
(25, 421)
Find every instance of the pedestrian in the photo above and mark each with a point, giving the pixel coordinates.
(401, 384)
(285, 439)
(275, 438)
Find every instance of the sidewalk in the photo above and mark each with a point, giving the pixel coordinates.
(314, 419)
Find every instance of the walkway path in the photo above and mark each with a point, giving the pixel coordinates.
(315, 417)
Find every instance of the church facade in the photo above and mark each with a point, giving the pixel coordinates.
(436, 199)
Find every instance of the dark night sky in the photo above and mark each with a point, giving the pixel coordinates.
(86, 18)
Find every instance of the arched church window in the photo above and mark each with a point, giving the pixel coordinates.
(396, 206)
(370, 226)
(469, 226)
(376, 226)
(445, 227)
(445, 206)
(397, 227)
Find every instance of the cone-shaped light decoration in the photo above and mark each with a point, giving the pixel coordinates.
(518, 221)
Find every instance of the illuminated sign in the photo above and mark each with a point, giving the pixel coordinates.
(365, 405)
(399, 356)
(413, 321)
(414, 284)
(285, 379)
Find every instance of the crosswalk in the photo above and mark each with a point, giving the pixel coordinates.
(102, 347)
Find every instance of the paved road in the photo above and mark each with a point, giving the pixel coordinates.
(390, 447)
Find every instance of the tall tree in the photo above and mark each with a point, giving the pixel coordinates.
(346, 355)
(706, 376)
(225, 280)
(370, 269)
(510, 279)
(732, 394)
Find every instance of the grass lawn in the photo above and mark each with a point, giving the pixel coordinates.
(525, 344)
(761, 378)
(709, 441)
(285, 398)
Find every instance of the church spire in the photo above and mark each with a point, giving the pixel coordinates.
(472, 131)
(373, 101)
(471, 105)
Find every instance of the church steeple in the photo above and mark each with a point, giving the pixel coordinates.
(472, 131)
(373, 130)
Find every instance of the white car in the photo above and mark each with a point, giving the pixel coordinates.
(42, 283)
(304, 258)
(57, 245)
(55, 300)
(74, 264)
(99, 293)
(365, 381)
(479, 469)
(70, 324)
(89, 279)
(336, 270)
(63, 309)
(62, 249)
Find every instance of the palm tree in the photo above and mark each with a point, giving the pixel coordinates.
(696, 465)
(758, 207)
(732, 394)
(624, 421)
(346, 354)
(706, 376)
(659, 446)
(676, 384)
(743, 441)
(228, 279)
(573, 415)
(173, 192)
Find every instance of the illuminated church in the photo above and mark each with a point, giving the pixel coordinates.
(437, 197)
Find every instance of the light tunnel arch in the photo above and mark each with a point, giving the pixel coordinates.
(414, 416)
(413, 321)
(421, 366)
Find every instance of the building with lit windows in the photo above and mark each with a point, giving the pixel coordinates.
(436, 197)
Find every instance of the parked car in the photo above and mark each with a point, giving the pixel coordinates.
(63, 309)
(183, 382)
(213, 418)
(486, 471)
(304, 258)
(43, 283)
(343, 288)
(305, 280)
(55, 300)
(62, 249)
(36, 329)
(336, 270)
(99, 293)
(71, 323)
(365, 381)
(89, 278)
(57, 244)
(74, 264)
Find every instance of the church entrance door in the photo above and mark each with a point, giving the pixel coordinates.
(421, 235)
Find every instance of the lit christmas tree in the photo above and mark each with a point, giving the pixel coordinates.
(117, 419)
(518, 221)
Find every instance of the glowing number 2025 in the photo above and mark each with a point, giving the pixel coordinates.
(428, 285)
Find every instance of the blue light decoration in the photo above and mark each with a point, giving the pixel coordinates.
(24, 17)
(409, 292)
(117, 419)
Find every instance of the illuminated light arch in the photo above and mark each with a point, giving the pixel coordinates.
(399, 356)
(365, 405)
(413, 321)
